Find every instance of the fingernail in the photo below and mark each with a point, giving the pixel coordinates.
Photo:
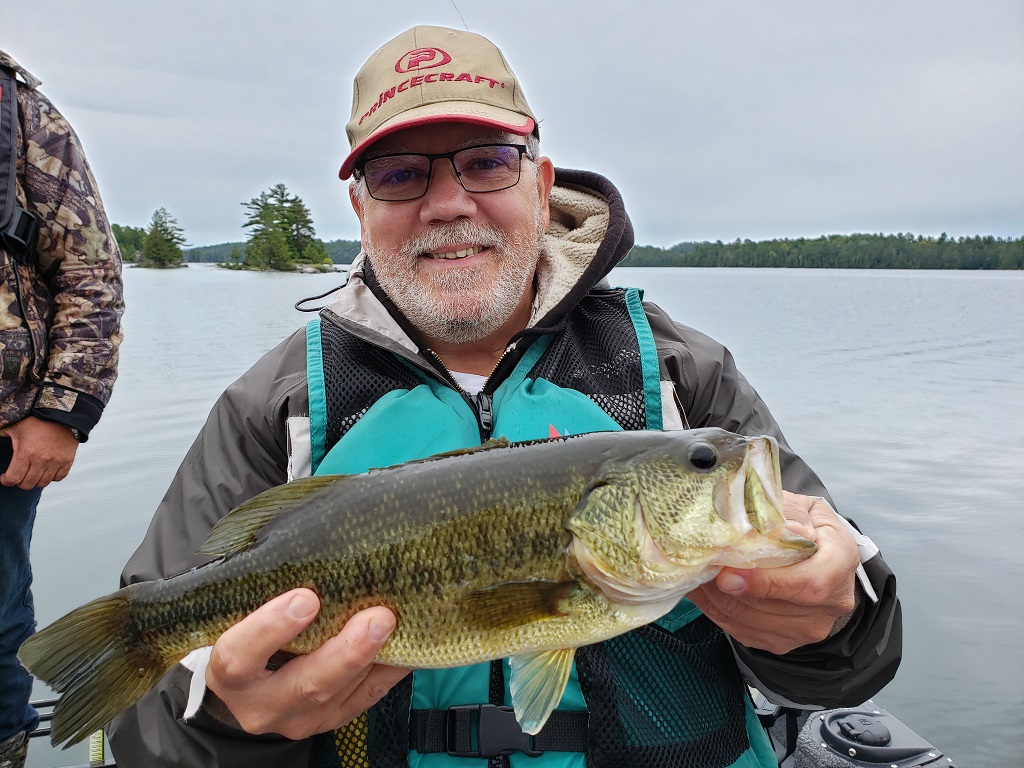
(302, 606)
(380, 630)
(732, 584)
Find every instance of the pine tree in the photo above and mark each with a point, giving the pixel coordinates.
(282, 232)
(164, 239)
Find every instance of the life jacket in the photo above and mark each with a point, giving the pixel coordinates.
(668, 694)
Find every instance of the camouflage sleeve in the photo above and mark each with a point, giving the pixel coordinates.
(79, 264)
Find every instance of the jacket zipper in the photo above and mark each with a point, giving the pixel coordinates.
(481, 403)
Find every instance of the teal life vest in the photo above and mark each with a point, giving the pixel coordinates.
(661, 695)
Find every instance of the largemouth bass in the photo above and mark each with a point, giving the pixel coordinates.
(525, 550)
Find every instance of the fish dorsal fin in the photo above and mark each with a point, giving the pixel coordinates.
(537, 683)
(238, 529)
(494, 442)
(515, 603)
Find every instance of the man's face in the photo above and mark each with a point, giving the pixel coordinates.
(459, 265)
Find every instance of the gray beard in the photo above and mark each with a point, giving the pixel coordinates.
(440, 313)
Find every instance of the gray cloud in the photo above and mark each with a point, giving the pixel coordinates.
(716, 120)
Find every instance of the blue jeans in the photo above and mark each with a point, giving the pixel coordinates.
(17, 617)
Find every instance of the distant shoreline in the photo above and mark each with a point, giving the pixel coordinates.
(857, 251)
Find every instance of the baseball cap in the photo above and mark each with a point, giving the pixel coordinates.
(429, 75)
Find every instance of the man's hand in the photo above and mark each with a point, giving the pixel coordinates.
(43, 453)
(779, 609)
(309, 694)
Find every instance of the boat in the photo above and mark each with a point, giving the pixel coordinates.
(97, 743)
(851, 737)
(866, 736)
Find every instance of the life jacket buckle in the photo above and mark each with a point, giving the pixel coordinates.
(496, 729)
(22, 235)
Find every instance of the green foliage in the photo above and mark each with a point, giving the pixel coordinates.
(338, 251)
(343, 251)
(161, 247)
(268, 249)
(858, 251)
(315, 253)
(282, 232)
(129, 241)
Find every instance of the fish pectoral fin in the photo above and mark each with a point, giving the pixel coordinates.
(537, 683)
(239, 528)
(515, 603)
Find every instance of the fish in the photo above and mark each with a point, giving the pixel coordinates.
(524, 550)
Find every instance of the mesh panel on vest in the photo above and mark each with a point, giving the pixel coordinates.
(598, 355)
(674, 700)
(376, 739)
(345, 747)
(389, 727)
(356, 375)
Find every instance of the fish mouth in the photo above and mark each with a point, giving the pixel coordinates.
(755, 508)
(752, 496)
(762, 491)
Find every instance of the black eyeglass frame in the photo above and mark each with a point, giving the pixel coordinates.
(359, 172)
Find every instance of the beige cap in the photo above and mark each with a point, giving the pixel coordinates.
(430, 75)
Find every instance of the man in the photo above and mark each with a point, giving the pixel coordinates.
(60, 310)
(478, 307)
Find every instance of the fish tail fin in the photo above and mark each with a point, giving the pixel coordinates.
(92, 659)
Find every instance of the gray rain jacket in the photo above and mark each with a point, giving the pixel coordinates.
(257, 437)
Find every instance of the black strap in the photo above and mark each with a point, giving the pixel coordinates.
(19, 229)
(496, 687)
(792, 732)
(8, 147)
(497, 732)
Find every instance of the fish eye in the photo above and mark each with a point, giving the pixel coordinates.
(703, 456)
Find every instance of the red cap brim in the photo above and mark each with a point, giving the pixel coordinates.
(412, 121)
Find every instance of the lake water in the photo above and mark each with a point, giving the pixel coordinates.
(903, 389)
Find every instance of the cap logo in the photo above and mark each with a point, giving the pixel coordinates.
(422, 58)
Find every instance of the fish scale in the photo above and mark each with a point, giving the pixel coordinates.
(526, 551)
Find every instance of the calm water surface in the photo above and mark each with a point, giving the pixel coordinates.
(903, 389)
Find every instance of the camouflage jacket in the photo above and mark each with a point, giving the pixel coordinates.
(60, 315)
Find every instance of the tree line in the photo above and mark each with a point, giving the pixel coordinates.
(340, 252)
(858, 251)
(282, 237)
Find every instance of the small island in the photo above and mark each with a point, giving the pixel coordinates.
(281, 238)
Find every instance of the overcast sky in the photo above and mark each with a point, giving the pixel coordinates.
(716, 120)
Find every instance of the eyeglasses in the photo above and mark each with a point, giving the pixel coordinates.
(406, 176)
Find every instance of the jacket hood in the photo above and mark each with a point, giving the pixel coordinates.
(588, 235)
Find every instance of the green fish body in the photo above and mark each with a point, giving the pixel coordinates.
(525, 550)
